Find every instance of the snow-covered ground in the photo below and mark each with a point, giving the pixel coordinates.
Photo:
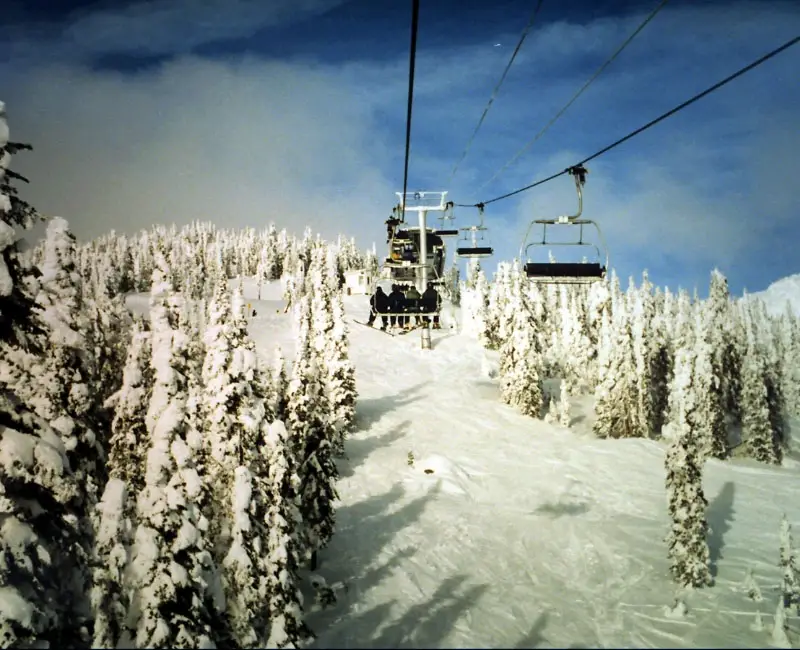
(509, 532)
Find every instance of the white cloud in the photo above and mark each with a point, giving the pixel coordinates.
(238, 144)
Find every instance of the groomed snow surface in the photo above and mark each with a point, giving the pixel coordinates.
(509, 532)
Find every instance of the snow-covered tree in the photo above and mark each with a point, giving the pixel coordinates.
(790, 569)
(726, 349)
(278, 386)
(307, 415)
(520, 355)
(126, 469)
(171, 566)
(284, 551)
(340, 377)
(616, 392)
(709, 415)
(687, 540)
(756, 426)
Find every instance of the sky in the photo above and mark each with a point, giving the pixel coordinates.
(247, 112)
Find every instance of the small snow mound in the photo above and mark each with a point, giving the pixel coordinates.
(489, 368)
(677, 611)
(451, 477)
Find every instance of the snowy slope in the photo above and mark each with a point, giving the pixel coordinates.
(776, 295)
(521, 534)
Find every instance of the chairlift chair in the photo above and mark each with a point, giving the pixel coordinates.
(555, 272)
(403, 263)
(474, 243)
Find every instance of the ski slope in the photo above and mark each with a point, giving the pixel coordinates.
(519, 534)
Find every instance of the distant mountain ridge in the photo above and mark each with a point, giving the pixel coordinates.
(776, 295)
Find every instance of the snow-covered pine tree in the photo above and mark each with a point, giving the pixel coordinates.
(171, 567)
(245, 573)
(724, 344)
(496, 307)
(43, 565)
(307, 416)
(285, 548)
(616, 392)
(790, 569)
(278, 387)
(660, 363)
(757, 431)
(341, 378)
(63, 395)
(520, 355)
(790, 358)
(126, 469)
(687, 540)
(709, 414)
(642, 315)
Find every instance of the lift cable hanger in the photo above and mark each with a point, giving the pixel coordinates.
(585, 86)
(652, 123)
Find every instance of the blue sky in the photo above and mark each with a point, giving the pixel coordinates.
(293, 111)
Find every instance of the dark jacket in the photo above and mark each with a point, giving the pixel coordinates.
(379, 301)
(430, 300)
(397, 301)
(412, 299)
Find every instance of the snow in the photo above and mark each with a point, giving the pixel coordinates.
(15, 608)
(523, 534)
(776, 295)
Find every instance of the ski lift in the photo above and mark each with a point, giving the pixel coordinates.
(405, 262)
(474, 243)
(555, 272)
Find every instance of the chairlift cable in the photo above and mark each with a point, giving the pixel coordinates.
(585, 86)
(411, 67)
(522, 38)
(630, 135)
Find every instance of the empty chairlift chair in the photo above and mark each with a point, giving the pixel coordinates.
(553, 271)
(474, 243)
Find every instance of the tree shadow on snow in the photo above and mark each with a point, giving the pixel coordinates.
(356, 558)
(534, 636)
(424, 625)
(370, 411)
(358, 450)
(720, 514)
(563, 508)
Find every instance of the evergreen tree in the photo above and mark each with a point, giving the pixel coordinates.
(688, 547)
(616, 392)
(790, 570)
(171, 567)
(43, 564)
(724, 344)
(307, 416)
(709, 416)
(756, 426)
(278, 387)
(110, 601)
(520, 356)
(284, 547)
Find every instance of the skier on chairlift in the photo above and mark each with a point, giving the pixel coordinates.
(396, 307)
(413, 304)
(378, 302)
(431, 303)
